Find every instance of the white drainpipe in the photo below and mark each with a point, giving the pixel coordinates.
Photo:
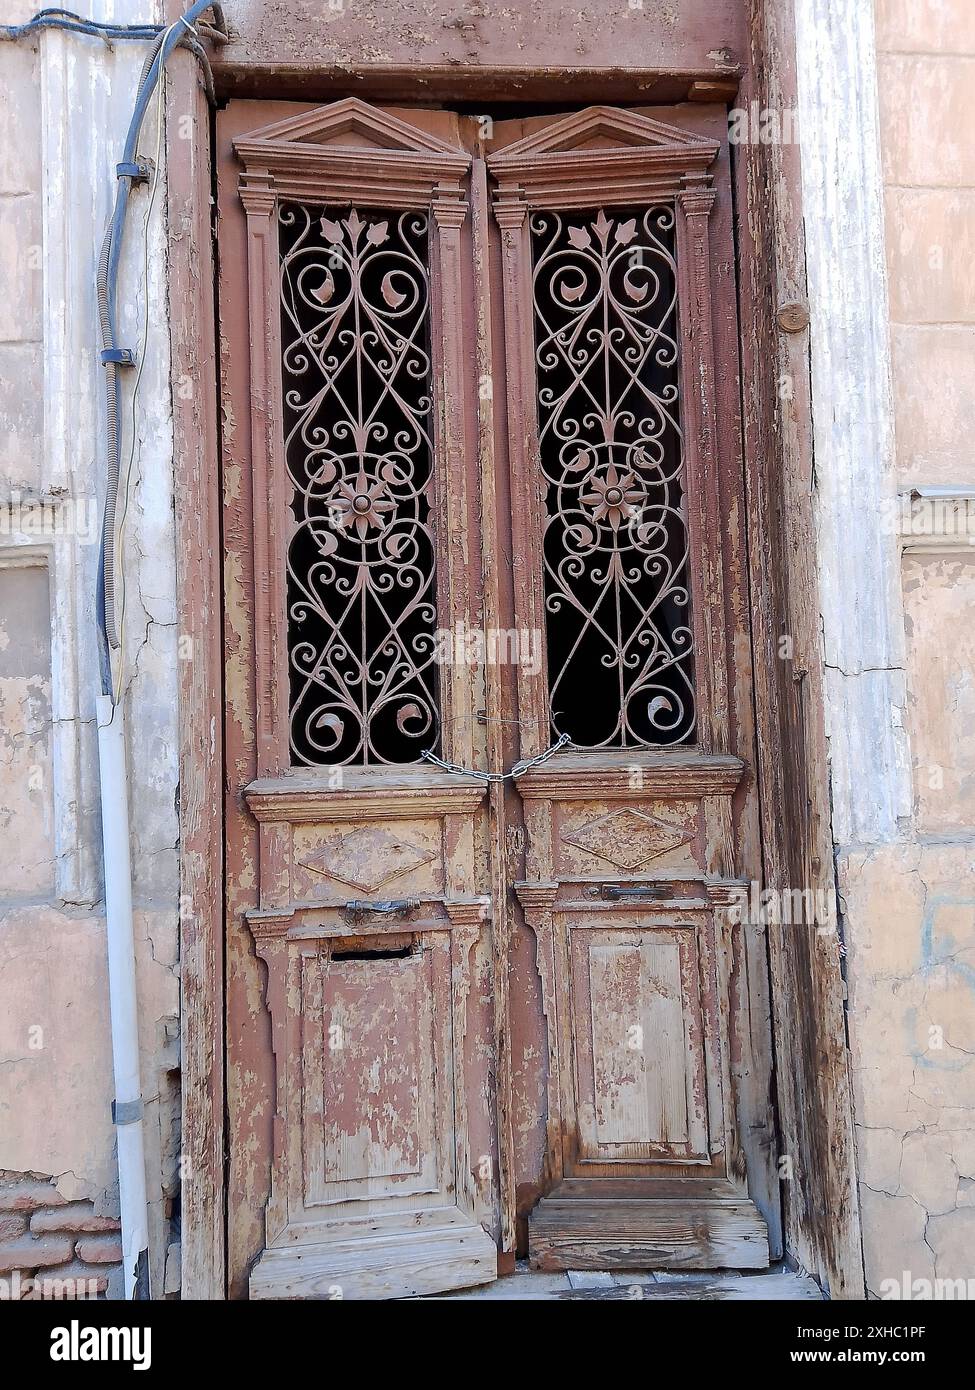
(127, 1108)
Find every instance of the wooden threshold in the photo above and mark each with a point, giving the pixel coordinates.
(571, 1230)
(400, 1265)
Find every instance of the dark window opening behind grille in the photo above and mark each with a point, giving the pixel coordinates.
(615, 551)
(362, 610)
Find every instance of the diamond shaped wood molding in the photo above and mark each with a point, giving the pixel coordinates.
(366, 858)
(628, 838)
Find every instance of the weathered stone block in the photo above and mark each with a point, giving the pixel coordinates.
(934, 402)
(36, 1253)
(100, 1250)
(939, 595)
(12, 1226)
(20, 118)
(74, 1280)
(928, 1172)
(21, 268)
(75, 1216)
(28, 1194)
(893, 1239)
(927, 113)
(952, 1238)
(930, 253)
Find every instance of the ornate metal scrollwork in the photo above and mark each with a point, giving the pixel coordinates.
(355, 310)
(615, 543)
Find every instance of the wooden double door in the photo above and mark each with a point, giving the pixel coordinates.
(488, 701)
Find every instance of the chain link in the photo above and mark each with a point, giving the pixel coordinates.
(516, 771)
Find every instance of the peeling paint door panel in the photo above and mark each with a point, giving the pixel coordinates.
(633, 1102)
(375, 1056)
(360, 1040)
(614, 264)
(482, 494)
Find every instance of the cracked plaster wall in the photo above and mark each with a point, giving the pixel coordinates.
(65, 107)
(905, 848)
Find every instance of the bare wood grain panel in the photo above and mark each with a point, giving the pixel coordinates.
(664, 1043)
(312, 1077)
(640, 1059)
(378, 1268)
(647, 1234)
(638, 1043)
(616, 1009)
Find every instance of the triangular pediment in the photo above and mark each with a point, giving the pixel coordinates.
(348, 125)
(599, 130)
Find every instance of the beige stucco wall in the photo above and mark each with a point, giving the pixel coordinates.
(908, 898)
(64, 104)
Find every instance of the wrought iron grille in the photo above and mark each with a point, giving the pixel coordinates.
(615, 546)
(362, 611)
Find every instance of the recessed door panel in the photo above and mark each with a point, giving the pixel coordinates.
(370, 1109)
(638, 1031)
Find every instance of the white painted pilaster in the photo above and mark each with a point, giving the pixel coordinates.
(859, 561)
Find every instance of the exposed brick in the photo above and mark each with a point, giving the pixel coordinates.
(74, 1216)
(12, 1226)
(29, 1194)
(100, 1250)
(41, 1252)
(76, 1272)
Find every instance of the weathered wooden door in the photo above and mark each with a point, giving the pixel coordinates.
(488, 701)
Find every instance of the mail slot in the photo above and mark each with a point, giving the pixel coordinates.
(376, 948)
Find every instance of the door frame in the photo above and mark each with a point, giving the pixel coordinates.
(811, 1078)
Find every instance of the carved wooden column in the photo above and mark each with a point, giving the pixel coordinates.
(511, 214)
(467, 921)
(702, 494)
(537, 901)
(259, 197)
(452, 473)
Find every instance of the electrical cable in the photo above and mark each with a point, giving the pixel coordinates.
(77, 24)
(72, 23)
